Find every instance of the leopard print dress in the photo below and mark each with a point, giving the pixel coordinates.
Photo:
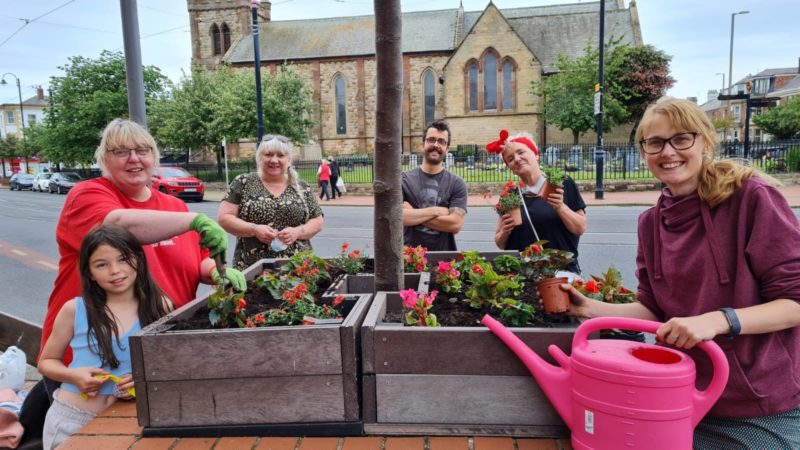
(258, 205)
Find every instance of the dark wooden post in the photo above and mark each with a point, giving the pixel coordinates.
(388, 147)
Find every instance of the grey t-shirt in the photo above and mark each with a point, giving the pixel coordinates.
(421, 190)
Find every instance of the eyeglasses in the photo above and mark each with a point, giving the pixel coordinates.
(125, 153)
(279, 137)
(680, 141)
(432, 140)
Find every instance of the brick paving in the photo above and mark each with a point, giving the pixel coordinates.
(117, 428)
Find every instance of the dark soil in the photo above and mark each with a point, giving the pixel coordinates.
(453, 310)
(258, 300)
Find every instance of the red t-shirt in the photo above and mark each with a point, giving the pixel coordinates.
(324, 172)
(174, 263)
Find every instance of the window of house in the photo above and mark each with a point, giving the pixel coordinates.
(472, 72)
(215, 38)
(31, 119)
(490, 82)
(736, 111)
(10, 117)
(341, 112)
(508, 87)
(226, 38)
(429, 92)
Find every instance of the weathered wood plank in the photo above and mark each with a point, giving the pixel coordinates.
(373, 316)
(369, 406)
(459, 350)
(246, 401)
(27, 336)
(351, 343)
(403, 429)
(242, 353)
(457, 399)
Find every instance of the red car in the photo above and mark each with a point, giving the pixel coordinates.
(178, 182)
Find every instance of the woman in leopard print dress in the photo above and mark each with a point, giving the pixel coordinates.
(271, 208)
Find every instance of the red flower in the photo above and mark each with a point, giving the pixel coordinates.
(622, 290)
(338, 300)
(298, 271)
(536, 249)
(242, 303)
(345, 246)
(259, 318)
(591, 287)
(249, 324)
(307, 322)
(478, 269)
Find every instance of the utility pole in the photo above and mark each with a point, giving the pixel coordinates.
(598, 109)
(133, 61)
(257, 58)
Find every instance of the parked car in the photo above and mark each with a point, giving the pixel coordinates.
(178, 182)
(20, 181)
(41, 182)
(62, 182)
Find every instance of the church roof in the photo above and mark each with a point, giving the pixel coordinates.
(547, 30)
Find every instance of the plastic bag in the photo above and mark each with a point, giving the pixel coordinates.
(12, 369)
(340, 185)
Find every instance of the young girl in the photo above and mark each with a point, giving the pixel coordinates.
(119, 297)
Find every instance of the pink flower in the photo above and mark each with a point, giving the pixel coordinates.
(420, 267)
(431, 297)
(444, 267)
(409, 297)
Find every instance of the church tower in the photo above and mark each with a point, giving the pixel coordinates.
(216, 25)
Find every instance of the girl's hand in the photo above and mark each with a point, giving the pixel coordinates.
(506, 223)
(84, 379)
(125, 383)
(556, 199)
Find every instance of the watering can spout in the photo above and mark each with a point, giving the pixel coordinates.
(553, 380)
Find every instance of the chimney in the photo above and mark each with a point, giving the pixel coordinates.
(39, 93)
(712, 94)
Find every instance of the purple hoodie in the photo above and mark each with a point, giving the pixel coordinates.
(746, 251)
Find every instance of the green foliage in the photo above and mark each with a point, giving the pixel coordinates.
(554, 175)
(539, 262)
(793, 159)
(517, 312)
(308, 267)
(606, 288)
(226, 307)
(487, 287)
(90, 94)
(349, 261)
(783, 121)
(506, 264)
(209, 106)
(633, 78)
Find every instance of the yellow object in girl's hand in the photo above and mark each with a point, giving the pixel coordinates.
(109, 377)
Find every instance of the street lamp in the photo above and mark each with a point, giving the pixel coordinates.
(19, 92)
(723, 82)
(730, 56)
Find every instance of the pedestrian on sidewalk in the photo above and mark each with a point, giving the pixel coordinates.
(559, 219)
(718, 259)
(324, 176)
(434, 199)
(333, 164)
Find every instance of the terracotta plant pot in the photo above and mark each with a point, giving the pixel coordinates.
(547, 189)
(516, 214)
(553, 298)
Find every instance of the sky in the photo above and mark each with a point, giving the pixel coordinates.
(38, 37)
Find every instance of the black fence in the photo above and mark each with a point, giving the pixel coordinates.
(475, 165)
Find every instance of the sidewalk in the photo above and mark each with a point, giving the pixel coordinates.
(621, 198)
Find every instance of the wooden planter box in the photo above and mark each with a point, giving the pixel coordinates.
(452, 380)
(290, 380)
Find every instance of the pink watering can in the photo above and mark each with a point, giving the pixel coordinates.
(616, 394)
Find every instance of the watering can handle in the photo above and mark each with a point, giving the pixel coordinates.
(703, 400)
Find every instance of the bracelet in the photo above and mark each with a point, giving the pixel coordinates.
(733, 322)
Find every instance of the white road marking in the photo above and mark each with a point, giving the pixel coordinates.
(47, 264)
(18, 252)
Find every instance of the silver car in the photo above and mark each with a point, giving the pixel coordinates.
(41, 182)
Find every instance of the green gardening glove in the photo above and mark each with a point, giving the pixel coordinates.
(232, 276)
(212, 236)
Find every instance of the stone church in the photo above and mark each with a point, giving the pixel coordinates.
(472, 68)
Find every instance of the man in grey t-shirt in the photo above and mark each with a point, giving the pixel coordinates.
(434, 200)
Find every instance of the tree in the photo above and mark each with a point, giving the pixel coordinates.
(209, 106)
(90, 94)
(643, 78)
(9, 146)
(783, 121)
(633, 78)
(724, 123)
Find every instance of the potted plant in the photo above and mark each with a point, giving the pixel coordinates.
(555, 179)
(414, 259)
(608, 288)
(544, 263)
(510, 202)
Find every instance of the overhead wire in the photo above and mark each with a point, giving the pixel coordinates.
(30, 21)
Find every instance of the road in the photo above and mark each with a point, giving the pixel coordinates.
(29, 256)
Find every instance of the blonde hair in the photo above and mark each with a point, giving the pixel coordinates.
(718, 179)
(277, 145)
(119, 133)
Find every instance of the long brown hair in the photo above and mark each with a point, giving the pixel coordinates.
(718, 179)
(100, 319)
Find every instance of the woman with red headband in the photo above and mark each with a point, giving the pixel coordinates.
(559, 219)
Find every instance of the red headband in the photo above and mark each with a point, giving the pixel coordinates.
(497, 146)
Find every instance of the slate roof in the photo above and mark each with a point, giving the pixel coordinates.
(547, 30)
(788, 88)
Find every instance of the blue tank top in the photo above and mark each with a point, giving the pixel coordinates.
(85, 356)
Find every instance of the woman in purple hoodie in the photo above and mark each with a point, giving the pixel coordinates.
(719, 258)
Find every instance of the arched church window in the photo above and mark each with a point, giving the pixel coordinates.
(429, 93)
(215, 38)
(341, 105)
(226, 38)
